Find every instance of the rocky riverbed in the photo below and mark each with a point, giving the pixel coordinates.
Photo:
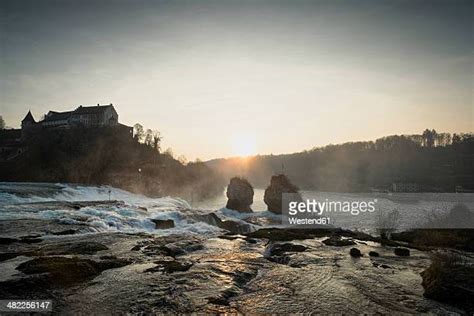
(127, 254)
(117, 273)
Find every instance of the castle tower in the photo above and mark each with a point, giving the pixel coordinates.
(27, 125)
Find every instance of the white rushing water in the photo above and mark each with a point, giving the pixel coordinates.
(45, 201)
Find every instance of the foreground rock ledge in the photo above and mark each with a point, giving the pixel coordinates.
(185, 273)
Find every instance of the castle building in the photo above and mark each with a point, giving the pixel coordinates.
(83, 116)
(13, 141)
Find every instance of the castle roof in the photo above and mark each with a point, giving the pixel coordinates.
(95, 109)
(28, 118)
(57, 116)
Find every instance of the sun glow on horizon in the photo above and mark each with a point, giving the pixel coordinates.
(244, 145)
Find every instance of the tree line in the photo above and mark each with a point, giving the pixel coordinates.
(108, 156)
(432, 161)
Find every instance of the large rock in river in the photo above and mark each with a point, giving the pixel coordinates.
(450, 279)
(279, 184)
(240, 195)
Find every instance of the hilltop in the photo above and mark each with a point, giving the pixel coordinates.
(430, 162)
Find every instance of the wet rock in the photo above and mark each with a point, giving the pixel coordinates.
(136, 248)
(283, 259)
(224, 297)
(234, 227)
(279, 249)
(77, 205)
(7, 241)
(354, 235)
(31, 287)
(279, 253)
(65, 232)
(108, 257)
(373, 254)
(65, 271)
(112, 263)
(355, 253)
(163, 223)
(279, 184)
(229, 237)
(174, 250)
(30, 240)
(170, 266)
(337, 241)
(262, 220)
(173, 245)
(72, 248)
(8, 255)
(403, 252)
(450, 281)
(30, 236)
(239, 195)
(239, 280)
(251, 240)
(287, 234)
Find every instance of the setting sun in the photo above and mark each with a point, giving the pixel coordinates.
(244, 145)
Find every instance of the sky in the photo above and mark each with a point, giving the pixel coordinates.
(225, 78)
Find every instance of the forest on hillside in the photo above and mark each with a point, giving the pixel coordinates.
(107, 156)
(435, 162)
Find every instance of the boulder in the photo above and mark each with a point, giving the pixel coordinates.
(233, 226)
(278, 252)
(337, 241)
(239, 195)
(279, 249)
(163, 223)
(279, 184)
(373, 254)
(450, 281)
(355, 253)
(402, 252)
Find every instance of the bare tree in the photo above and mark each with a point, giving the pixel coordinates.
(138, 132)
(156, 140)
(149, 137)
(2, 122)
(182, 159)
